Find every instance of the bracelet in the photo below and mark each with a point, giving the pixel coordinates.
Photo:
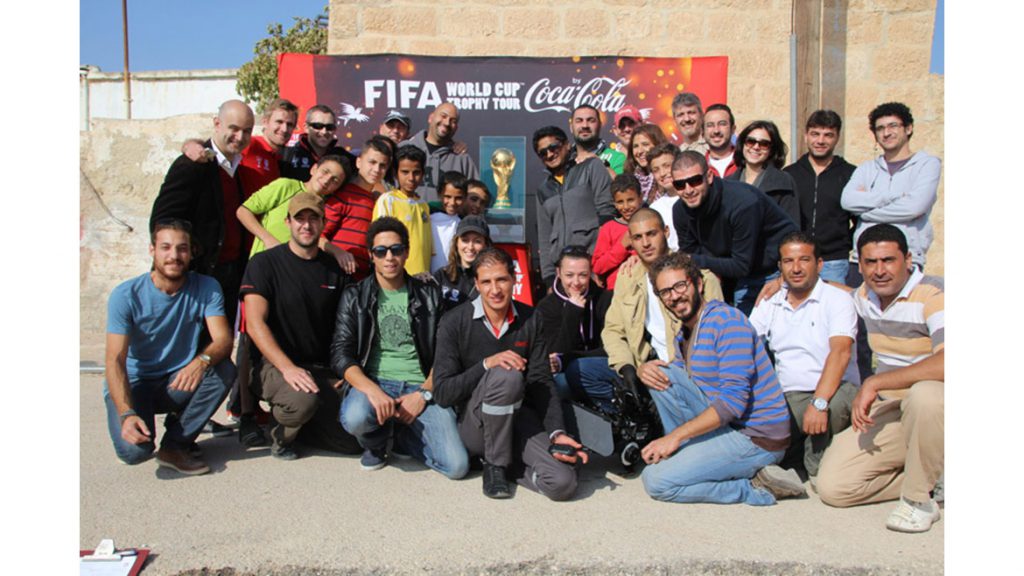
(126, 414)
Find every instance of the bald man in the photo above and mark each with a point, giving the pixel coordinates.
(437, 141)
(207, 195)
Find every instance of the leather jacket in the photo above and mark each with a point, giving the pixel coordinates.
(356, 323)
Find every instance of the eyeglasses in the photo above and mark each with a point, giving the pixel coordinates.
(543, 152)
(397, 250)
(575, 250)
(678, 288)
(692, 182)
(321, 126)
(883, 128)
(755, 143)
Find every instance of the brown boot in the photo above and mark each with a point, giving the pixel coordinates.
(181, 461)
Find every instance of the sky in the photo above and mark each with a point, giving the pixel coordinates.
(181, 34)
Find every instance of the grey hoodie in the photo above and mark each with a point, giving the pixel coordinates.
(442, 160)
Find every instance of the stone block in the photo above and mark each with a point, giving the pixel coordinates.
(400, 20)
(900, 64)
(582, 23)
(532, 23)
(911, 28)
(468, 22)
(684, 24)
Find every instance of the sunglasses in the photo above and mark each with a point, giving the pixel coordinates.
(692, 182)
(755, 143)
(320, 126)
(397, 250)
(543, 152)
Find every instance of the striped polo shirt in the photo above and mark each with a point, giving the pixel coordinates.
(729, 364)
(347, 215)
(911, 328)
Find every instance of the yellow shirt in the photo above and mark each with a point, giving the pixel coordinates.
(415, 214)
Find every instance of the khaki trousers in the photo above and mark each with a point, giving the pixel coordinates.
(901, 454)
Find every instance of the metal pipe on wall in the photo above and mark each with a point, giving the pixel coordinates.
(127, 74)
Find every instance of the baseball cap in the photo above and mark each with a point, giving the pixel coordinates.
(473, 223)
(306, 201)
(396, 115)
(628, 111)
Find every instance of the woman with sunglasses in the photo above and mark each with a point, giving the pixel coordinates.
(643, 139)
(760, 156)
(456, 279)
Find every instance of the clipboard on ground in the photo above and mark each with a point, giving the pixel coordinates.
(127, 565)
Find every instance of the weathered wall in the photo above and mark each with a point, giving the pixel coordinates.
(158, 94)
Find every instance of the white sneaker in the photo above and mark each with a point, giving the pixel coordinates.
(780, 482)
(908, 517)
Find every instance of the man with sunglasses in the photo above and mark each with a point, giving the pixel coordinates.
(319, 140)
(724, 414)
(729, 227)
(291, 294)
(573, 201)
(383, 346)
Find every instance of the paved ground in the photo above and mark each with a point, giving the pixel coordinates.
(323, 515)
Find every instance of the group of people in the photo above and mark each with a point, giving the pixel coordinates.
(377, 318)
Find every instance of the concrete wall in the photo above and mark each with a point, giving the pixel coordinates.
(154, 94)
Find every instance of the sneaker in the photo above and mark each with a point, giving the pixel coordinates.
(373, 460)
(285, 452)
(181, 461)
(939, 492)
(495, 484)
(400, 453)
(217, 429)
(913, 518)
(250, 434)
(780, 482)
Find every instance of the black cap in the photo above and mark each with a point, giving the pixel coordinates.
(473, 223)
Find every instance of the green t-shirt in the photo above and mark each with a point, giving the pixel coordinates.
(615, 159)
(393, 355)
(270, 204)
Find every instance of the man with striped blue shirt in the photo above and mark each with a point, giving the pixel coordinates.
(723, 410)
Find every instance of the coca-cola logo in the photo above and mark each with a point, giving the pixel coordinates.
(602, 92)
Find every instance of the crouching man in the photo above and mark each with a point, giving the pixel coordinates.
(384, 340)
(723, 410)
(491, 365)
(153, 360)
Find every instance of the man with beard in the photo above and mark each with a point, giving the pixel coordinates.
(153, 363)
(719, 125)
(585, 123)
(437, 142)
(820, 177)
(689, 117)
(722, 409)
(291, 294)
(318, 141)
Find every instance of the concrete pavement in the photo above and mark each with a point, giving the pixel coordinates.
(323, 515)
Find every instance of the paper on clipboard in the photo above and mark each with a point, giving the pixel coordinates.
(122, 567)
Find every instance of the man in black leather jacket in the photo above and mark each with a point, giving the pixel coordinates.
(383, 346)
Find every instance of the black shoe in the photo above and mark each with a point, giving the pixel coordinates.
(495, 484)
(194, 450)
(217, 429)
(285, 452)
(249, 432)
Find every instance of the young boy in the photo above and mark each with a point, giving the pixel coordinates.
(408, 207)
(443, 224)
(478, 198)
(263, 214)
(613, 246)
(347, 214)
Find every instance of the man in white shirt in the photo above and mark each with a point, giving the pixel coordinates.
(810, 327)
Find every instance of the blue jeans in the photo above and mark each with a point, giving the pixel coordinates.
(747, 289)
(187, 412)
(588, 378)
(715, 467)
(835, 271)
(433, 438)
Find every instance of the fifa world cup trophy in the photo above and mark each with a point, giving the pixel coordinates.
(503, 162)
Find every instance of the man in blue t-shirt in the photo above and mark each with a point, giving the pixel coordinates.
(153, 361)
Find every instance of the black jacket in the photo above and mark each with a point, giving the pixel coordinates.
(735, 232)
(821, 214)
(779, 186)
(561, 322)
(355, 324)
(455, 293)
(192, 191)
(296, 161)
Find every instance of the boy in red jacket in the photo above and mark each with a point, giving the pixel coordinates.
(613, 246)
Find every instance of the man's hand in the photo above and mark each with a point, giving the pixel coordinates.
(189, 377)
(660, 449)
(555, 360)
(769, 289)
(653, 376)
(346, 260)
(627, 242)
(134, 430)
(383, 405)
(815, 421)
(626, 266)
(409, 407)
(194, 151)
(458, 147)
(862, 406)
(568, 441)
(300, 379)
(425, 277)
(507, 359)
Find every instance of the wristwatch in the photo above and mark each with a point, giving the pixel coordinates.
(428, 396)
(205, 358)
(124, 415)
(820, 404)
